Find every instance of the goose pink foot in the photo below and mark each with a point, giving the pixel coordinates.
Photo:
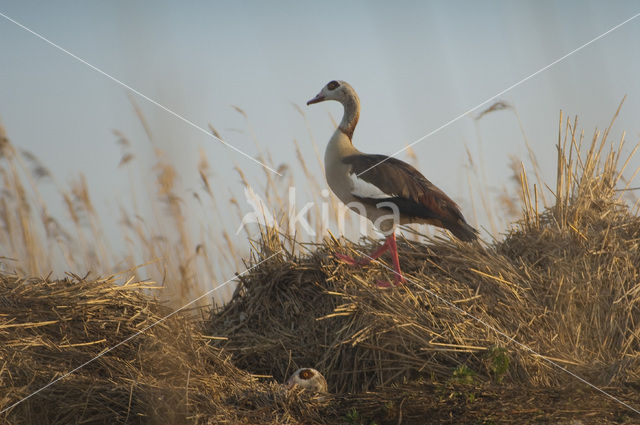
(352, 261)
(389, 244)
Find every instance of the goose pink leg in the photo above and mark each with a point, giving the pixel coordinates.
(389, 244)
(398, 278)
(364, 261)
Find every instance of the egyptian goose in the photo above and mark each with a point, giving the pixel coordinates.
(384, 189)
(309, 379)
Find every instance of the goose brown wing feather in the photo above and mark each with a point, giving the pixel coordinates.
(414, 195)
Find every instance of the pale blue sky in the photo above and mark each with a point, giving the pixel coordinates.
(415, 65)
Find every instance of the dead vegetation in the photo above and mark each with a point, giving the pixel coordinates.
(563, 281)
(560, 291)
(481, 333)
(76, 335)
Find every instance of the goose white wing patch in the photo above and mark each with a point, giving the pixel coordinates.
(364, 189)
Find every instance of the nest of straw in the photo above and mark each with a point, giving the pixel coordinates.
(569, 293)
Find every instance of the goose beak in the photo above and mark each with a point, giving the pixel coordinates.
(319, 98)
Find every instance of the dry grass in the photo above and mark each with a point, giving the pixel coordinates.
(563, 281)
(169, 374)
(172, 234)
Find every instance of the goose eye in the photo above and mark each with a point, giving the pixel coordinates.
(306, 374)
(333, 85)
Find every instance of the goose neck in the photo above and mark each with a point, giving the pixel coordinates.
(350, 117)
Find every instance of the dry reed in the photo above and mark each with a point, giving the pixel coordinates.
(563, 281)
(169, 374)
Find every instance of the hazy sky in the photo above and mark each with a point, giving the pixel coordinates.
(415, 65)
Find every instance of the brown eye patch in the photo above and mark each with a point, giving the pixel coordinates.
(333, 85)
(306, 374)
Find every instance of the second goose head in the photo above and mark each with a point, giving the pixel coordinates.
(308, 379)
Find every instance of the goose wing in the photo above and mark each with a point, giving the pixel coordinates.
(416, 197)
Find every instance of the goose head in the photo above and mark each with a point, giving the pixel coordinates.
(309, 379)
(337, 90)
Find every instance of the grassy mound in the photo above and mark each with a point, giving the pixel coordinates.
(569, 293)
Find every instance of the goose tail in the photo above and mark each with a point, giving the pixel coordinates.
(463, 231)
